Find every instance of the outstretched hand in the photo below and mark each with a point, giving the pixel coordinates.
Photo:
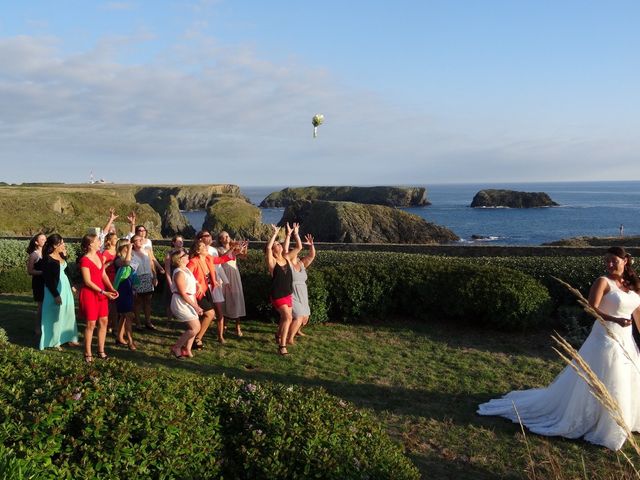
(289, 229)
(276, 229)
(296, 228)
(308, 239)
(132, 217)
(112, 214)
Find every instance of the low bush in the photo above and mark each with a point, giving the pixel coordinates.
(503, 292)
(117, 420)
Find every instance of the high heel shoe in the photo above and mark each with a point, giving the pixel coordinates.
(282, 350)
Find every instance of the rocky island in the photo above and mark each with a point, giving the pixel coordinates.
(388, 196)
(351, 222)
(511, 199)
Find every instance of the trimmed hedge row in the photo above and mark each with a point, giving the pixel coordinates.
(351, 288)
(503, 292)
(62, 419)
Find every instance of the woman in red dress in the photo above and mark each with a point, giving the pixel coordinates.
(95, 294)
(108, 257)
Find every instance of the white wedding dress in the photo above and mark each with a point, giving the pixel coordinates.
(566, 407)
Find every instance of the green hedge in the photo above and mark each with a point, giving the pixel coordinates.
(117, 420)
(501, 292)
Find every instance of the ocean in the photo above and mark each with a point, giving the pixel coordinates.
(586, 208)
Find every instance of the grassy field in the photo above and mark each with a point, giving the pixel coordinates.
(422, 381)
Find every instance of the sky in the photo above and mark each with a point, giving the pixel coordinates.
(413, 92)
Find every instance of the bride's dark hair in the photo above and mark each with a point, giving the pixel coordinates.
(629, 276)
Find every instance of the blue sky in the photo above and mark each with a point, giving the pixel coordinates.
(413, 92)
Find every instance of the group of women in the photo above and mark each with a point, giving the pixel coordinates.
(119, 275)
(288, 294)
(204, 283)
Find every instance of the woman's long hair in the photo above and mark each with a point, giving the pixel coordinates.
(193, 251)
(629, 276)
(52, 242)
(32, 243)
(86, 242)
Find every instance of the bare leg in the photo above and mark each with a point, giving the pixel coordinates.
(147, 311)
(113, 317)
(183, 346)
(305, 322)
(220, 318)
(238, 329)
(283, 328)
(121, 328)
(88, 337)
(137, 303)
(293, 330)
(127, 328)
(207, 318)
(102, 335)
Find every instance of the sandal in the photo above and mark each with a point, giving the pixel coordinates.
(132, 346)
(282, 350)
(186, 354)
(177, 355)
(103, 355)
(121, 344)
(88, 358)
(197, 344)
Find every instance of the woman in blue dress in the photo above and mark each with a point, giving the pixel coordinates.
(58, 322)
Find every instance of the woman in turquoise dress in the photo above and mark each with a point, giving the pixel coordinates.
(58, 324)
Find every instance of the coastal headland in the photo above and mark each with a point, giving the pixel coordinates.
(69, 209)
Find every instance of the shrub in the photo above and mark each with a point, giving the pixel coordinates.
(503, 292)
(117, 420)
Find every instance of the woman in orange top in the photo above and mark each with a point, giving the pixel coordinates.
(202, 265)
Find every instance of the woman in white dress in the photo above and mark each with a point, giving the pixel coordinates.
(566, 407)
(184, 305)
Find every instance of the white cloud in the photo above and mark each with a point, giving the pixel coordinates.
(206, 112)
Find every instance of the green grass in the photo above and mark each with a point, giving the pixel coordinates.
(422, 381)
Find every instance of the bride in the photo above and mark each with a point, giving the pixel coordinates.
(566, 407)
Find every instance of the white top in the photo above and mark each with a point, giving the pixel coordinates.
(140, 262)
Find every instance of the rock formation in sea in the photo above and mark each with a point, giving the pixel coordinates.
(511, 199)
(174, 222)
(389, 196)
(350, 222)
(237, 217)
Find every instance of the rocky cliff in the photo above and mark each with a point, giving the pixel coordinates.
(174, 222)
(70, 209)
(189, 197)
(389, 196)
(237, 217)
(362, 223)
(511, 199)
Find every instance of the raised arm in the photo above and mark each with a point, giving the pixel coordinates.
(308, 260)
(271, 261)
(293, 253)
(112, 217)
(287, 238)
(131, 218)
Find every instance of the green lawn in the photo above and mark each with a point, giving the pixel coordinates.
(422, 381)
